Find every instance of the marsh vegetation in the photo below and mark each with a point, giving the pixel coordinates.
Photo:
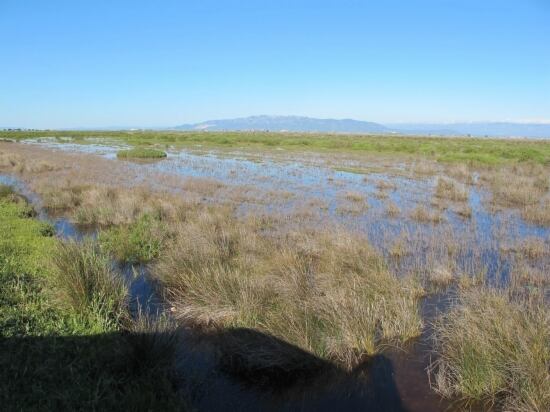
(282, 267)
(141, 153)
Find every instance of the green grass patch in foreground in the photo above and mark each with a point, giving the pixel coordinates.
(494, 348)
(55, 355)
(141, 153)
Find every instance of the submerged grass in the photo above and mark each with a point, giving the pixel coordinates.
(495, 349)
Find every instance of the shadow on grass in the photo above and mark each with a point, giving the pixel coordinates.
(99, 372)
(231, 370)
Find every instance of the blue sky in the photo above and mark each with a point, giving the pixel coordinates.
(96, 63)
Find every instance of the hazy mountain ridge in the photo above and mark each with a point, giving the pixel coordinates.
(309, 124)
(288, 124)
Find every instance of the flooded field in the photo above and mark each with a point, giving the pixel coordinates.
(394, 204)
(443, 227)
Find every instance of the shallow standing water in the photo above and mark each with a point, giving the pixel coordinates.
(313, 188)
(353, 200)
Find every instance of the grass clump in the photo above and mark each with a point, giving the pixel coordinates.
(328, 293)
(87, 282)
(139, 242)
(494, 348)
(108, 206)
(538, 214)
(422, 214)
(449, 189)
(141, 153)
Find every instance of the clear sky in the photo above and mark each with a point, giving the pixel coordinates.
(99, 63)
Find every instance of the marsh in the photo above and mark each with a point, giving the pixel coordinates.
(277, 266)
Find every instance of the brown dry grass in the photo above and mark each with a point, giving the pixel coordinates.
(450, 190)
(326, 292)
(519, 186)
(392, 210)
(423, 215)
(538, 214)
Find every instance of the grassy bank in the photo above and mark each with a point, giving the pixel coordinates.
(481, 151)
(65, 342)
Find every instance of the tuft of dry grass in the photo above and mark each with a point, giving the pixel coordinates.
(439, 278)
(496, 349)
(539, 214)
(533, 248)
(425, 168)
(464, 211)
(450, 190)
(10, 160)
(354, 196)
(392, 210)
(423, 215)
(460, 172)
(106, 205)
(512, 190)
(385, 185)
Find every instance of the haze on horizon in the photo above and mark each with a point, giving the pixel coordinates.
(137, 63)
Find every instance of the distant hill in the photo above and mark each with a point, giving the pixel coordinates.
(309, 124)
(288, 124)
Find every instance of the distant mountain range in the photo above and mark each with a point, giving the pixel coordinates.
(308, 124)
(311, 125)
(288, 124)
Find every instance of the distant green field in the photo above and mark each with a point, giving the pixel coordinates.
(475, 150)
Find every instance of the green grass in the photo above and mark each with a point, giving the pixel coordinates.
(494, 348)
(141, 153)
(86, 281)
(475, 150)
(54, 355)
(139, 242)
